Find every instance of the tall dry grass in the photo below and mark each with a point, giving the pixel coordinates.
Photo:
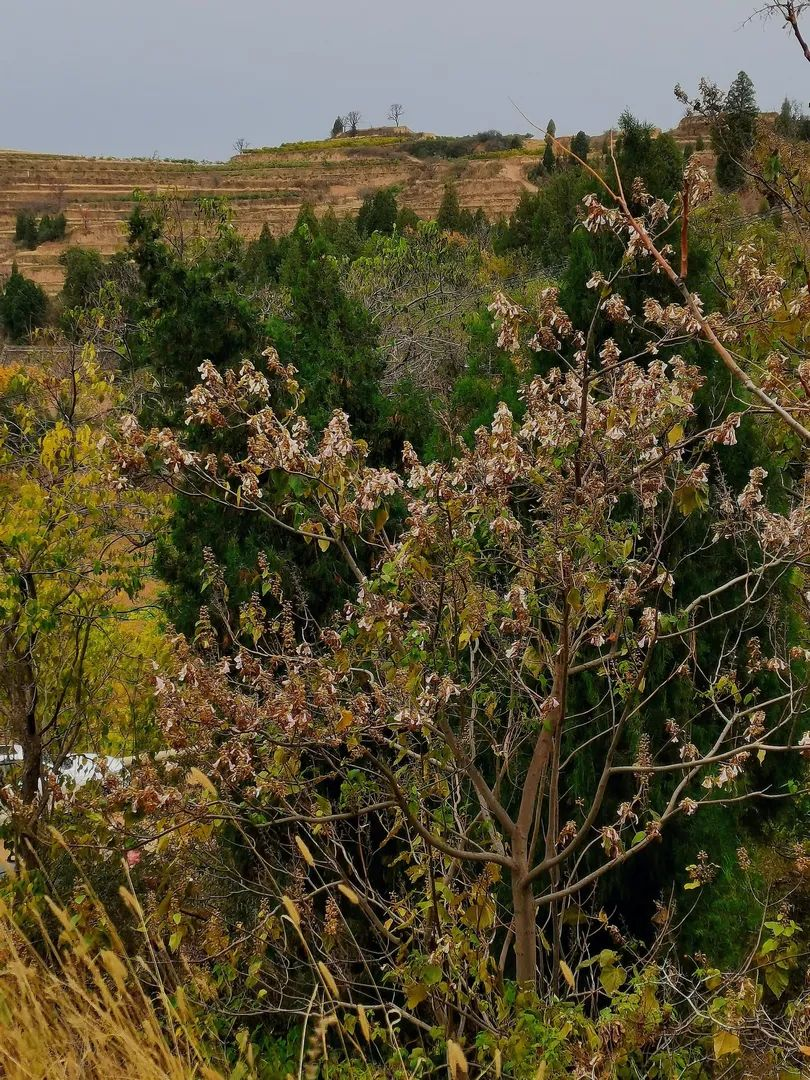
(77, 1014)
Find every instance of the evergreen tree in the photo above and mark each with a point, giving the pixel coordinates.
(329, 337)
(378, 213)
(51, 228)
(26, 229)
(407, 219)
(339, 235)
(331, 340)
(84, 273)
(581, 145)
(190, 307)
(23, 306)
(549, 158)
(337, 127)
(733, 134)
(263, 258)
(543, 222)
(785, 121)
(449, 215)
(657, 160)
(792, 123)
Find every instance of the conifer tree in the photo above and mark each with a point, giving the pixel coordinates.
(581, 145)
(26, 229)
(449, 215)
(378, 213)
(784, 121)
(733, 134)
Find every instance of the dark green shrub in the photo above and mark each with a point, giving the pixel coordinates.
(84, 273)
(26, 229)
(446, 146)
(51, 228)
(23, 306)
(378, 213)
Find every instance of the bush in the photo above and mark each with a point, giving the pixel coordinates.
(463, 146)
(84, 273)
(51, 228)
(29, 232)
(23, 306)
(26, 229)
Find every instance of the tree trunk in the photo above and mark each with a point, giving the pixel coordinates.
(32, 764)
(525, 932)
(21, 683)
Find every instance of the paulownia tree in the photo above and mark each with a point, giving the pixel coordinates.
(524, 624)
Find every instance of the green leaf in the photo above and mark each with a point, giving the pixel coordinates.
(612, 978)
(533, 661)
(776, 980)
(432, 974)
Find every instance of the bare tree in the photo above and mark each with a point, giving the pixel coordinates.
(352, 121)
(791, 11)
(241, 145)
(395, 113)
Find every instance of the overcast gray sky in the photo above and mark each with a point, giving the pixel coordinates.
(185, 78)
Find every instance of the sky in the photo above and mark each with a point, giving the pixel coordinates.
(186, 78)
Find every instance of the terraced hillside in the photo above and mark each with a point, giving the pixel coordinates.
(266, 185)
(263, 186)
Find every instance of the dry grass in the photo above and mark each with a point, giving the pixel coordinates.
(82, 1015)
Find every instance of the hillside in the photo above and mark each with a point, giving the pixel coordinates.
(263, 186)
(267, 185)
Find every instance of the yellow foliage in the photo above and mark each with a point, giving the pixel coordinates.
(77, 1019)
(726, 1042)
(567, 974)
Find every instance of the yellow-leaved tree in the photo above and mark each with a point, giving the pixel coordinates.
(73, 555)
